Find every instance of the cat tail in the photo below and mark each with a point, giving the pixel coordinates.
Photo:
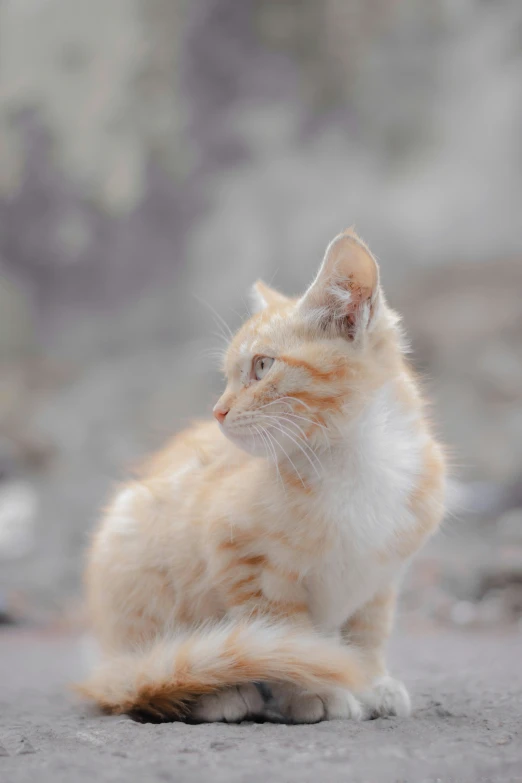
(161, 682)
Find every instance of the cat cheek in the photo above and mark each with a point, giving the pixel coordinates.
(268, 391)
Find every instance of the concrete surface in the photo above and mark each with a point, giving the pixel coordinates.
(466, 727)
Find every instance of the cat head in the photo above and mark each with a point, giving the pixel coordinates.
(300, 366)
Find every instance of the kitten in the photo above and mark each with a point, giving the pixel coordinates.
(267, 545)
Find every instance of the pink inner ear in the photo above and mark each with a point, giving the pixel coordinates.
(347, 280)
(349, 259)
(359, 293)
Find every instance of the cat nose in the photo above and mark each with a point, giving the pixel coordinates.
(220, 413)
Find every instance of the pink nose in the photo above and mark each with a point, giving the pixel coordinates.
(220, 414)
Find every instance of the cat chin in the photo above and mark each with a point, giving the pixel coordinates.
(249, 443)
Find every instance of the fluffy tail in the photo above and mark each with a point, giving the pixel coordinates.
(161, 682)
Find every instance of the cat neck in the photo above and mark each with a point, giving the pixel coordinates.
(382, 434)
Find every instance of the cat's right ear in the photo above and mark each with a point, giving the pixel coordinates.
(262, 296)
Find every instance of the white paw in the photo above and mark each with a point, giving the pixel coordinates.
(298, 706)
(302, 707)
(386, 697)
(231, 705)
(343, 705)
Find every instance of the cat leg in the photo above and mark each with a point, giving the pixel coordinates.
(369, 629)
(247, 597)
(292, 703)
(242, 583)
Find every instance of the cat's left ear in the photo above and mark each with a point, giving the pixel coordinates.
(262, 296)
(344, 297)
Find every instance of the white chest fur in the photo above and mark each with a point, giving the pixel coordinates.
(364, 498)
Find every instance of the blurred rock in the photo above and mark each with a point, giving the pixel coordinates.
(18, 509)
(17, 334)
(463, 612)
(472, 353)
(509, 525)
(24, 375)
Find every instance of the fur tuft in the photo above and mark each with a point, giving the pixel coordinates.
(161, 683)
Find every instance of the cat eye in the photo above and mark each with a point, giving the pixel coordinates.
(261, 366)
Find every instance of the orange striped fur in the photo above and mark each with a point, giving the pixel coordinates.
(267, 546)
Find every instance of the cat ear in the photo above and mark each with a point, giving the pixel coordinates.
(262, 296)
(344, 296)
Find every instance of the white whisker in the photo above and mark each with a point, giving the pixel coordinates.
(285, 431)
(221, 320)
(295, 399)
(296, 415)
(281, 419)
(289, 458)
(310, 421)
(281, 399)
(215, 354)
(268, 455)
(264, 434)
(222, 336)
(261, 435)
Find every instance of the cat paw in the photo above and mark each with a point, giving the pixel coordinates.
(301, 707)
(387, 696)
(342, 705)
(230, 706)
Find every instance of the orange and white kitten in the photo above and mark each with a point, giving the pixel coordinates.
(267, 545)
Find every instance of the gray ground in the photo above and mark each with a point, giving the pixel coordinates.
(466, 726)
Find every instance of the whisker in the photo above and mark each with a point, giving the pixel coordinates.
(260, 433)
(287, 456)
(280, 399)
(281, 419)
(302, 438)
(310, 421)
(216, 358)
(295, 399)
(222, 336)
(264, 433)
(285, 416)
(268, 455)
(285, 431)
(296, 415)
(212, 353)
(219, 317)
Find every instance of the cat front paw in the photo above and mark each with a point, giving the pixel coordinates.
(342, 705)
(231, 705)
(386, 697)
(302, 707)
(299, 706)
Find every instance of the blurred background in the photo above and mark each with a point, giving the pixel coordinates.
(157, 156)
